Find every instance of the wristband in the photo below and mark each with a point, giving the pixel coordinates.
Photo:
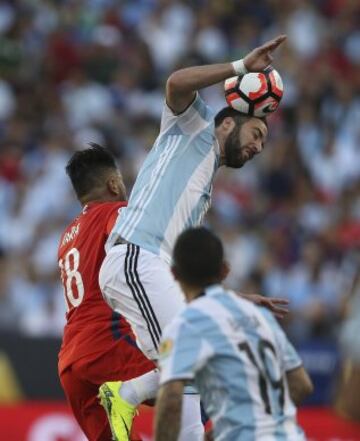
(239, 67)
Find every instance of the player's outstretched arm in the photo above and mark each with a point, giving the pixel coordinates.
(168, 411)
(182, 85)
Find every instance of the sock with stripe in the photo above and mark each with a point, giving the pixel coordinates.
(192, 428)
(140, 389)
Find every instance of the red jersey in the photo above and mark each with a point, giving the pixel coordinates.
(92, 326)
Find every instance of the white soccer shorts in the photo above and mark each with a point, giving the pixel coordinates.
(139, 285)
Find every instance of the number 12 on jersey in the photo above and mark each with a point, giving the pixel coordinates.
(71, 278)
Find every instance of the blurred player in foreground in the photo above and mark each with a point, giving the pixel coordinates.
(172, 192)
(98, 344)
(248, 374)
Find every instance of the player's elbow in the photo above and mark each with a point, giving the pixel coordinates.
(174, 84)
(302, 392)
(300, 385)
(179, 93)
(309, 388)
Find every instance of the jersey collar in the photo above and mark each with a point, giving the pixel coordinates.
(212, 290)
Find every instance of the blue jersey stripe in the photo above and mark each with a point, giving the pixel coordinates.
(222, 383)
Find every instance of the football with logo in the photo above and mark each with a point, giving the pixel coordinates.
(255, 93)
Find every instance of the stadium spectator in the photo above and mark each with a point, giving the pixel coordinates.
(45, 45)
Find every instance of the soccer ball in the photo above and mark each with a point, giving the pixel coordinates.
(255, 93)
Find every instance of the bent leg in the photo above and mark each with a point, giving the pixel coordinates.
(82, 398)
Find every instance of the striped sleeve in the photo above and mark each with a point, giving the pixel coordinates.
(289, 356)
(196, 117)
(182, 352)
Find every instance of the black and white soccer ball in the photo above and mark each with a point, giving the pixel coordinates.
(255, 93)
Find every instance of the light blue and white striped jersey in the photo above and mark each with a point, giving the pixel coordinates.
(173, 188)
(237, 356)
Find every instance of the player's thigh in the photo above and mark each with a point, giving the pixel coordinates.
(82, 397)
(157, 284)
(123, 362)
(139, 285)
(136, 281)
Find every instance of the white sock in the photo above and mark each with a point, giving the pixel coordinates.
(192, 428)
(140, 389)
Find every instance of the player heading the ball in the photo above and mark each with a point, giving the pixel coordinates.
(172, 192)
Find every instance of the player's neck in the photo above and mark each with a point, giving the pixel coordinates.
(221, 138)
(193, 292)
(93, 199)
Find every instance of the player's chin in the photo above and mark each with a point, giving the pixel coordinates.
(236, 162)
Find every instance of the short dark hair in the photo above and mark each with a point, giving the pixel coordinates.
(198, 257)
(88, 168)
(239, 117)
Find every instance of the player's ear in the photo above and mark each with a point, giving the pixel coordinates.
(228, 124)
(225, 269)
(112, 185)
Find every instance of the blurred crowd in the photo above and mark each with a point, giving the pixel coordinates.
(75, 71)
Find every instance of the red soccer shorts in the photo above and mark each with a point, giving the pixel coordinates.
(81, 381)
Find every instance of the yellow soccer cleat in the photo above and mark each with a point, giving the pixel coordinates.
(120, 413)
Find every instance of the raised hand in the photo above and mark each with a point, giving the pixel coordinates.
(258, 59)
(277, 306)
